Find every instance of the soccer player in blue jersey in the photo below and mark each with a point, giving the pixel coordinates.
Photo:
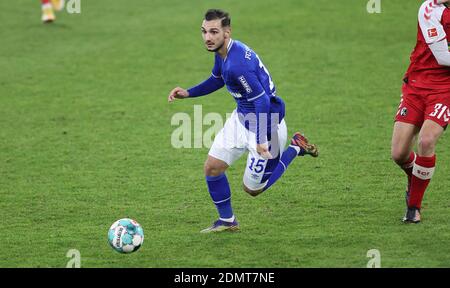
(256, 126)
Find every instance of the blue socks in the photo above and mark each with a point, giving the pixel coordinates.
(219, 189)
(286, 159)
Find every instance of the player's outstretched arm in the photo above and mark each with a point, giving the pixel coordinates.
(178, 93)
(206, 87)
(262, 108)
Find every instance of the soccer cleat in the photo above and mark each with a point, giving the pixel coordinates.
(48, 15)
(58, 5)
(301, 141)
(220, 226)
(412, 215)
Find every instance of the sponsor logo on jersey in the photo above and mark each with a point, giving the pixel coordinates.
(432, 32)
(404, 111)
(236, 95)
(245, 84)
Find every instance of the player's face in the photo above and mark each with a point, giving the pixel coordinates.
(214, 35)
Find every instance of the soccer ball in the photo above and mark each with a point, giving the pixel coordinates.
(125, 235)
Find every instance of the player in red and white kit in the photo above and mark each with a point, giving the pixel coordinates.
(48, 8)
(424, 110)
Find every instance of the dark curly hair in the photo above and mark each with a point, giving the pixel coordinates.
(214, 14)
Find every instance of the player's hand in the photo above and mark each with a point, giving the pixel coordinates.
(263, 150)
(178, 93)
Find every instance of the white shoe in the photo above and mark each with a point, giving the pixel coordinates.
(48, 15)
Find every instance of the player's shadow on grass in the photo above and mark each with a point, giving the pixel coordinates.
(52, 26)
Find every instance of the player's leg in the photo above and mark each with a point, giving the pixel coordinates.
(219, 188)
(220, 192)
(258, 169)
(48, 15)
(299, 147)
(436, 115)
(274, 168)
(224, 151)
(423, 168)
(402, 145)
(402, 149)
(408, 122)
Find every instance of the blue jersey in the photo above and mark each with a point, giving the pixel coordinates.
(250, 84)
(246, 78)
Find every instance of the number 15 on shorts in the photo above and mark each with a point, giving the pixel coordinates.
(257, 167)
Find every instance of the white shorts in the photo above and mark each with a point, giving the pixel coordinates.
(234, 140)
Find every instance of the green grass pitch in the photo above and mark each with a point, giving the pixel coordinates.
(85, 137)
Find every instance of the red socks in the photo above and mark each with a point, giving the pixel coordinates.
(422, 171)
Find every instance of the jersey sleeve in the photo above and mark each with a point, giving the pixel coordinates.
(206, 87)
(213, 83)
(262, 109)
(254, 92)
(430, 14)
(249, 82)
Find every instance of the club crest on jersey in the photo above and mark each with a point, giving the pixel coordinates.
(245, 84)
(432, 32)
(404, 111)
